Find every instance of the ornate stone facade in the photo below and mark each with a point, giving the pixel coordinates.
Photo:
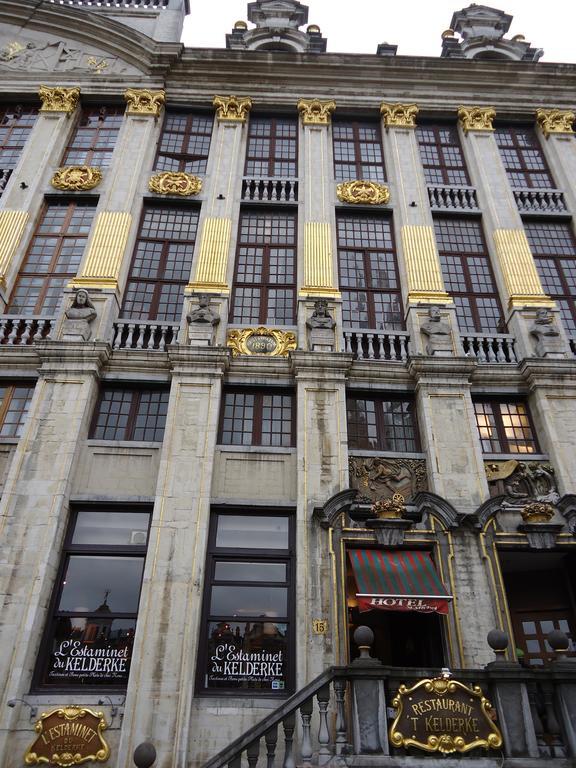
(377, 478)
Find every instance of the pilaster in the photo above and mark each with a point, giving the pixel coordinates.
(558, 141)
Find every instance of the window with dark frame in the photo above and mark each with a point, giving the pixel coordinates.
(358, 151)
(94, 139)
(15, 402)
(272, 149)
(251, 417)
(554, 249)
(504, 427)
(89, 637)
(441, 155)
(16, 123)
(53, 257)
(130, 414)
(161, 263)
(368, 270)
(382, 424)
(523, 158)
(468, 274)
(248, 625)
(185, 142)
(264, 288)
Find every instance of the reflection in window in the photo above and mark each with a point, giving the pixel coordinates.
(441, 155)
(257, 418)
(130, 414)
(185, 142)
(380, 424)
(15, 402)
(358, 151)
(504, 427)
(95, 137)
(272, 147)
(523, 158)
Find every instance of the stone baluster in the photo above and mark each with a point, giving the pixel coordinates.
(288, 724)
(27, 331)
(14, 332)
(341, 729)
(162, 339)
(370, 337)
(324, 753)
(130, 337)
(252, 753)
(306, 746)
(141, 333)
(270, 739)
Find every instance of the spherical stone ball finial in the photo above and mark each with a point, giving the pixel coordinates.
(558, 641)
(240, 25)
(448, 33)
(144, 755)
(363, 637)
(497, 640)
(313, 29)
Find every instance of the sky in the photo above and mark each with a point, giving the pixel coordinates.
(357, 26)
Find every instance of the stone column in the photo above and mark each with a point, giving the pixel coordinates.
(418, 261)
(106, 260)
(161, 688)
(317, 272)
(322, 471)
(34, 509)
(514, 268)
(23, 197)
(213, 265)
(559, 145)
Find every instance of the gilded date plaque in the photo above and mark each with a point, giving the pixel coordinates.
(69, 736)
(261, 341)
(443, 715)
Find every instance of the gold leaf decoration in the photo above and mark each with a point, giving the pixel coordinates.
(399, 115)
(476, 118)
(58, 99)
(172, 183)
(76, 178)
(555, 120)
(537, 512)
(261, 341)
(61, 728)
(363, 192)
(232, 108)
(316, 112)
(141, 101)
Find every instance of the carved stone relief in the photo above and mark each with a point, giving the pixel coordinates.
(378, 478)
(522, 482)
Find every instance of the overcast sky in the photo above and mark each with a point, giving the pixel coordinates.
(358, 26)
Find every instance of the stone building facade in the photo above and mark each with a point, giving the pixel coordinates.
(287, 347)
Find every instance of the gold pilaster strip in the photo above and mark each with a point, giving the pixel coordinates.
(425, 283)
(318, 266)
(213, 258)
(102, 265)
(12, 224)
(518, 269)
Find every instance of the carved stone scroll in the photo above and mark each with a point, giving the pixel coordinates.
(363, 192)
(172, 183)
(76, 178)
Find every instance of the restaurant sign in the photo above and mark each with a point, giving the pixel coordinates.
(443, 715)
(230, 664)
(69, 736)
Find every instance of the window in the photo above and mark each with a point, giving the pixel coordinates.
(441, 155)
(523, 158)
(248, 605)
(258, 418)
(504, 427)
(53, 257)
(89, 637)
(468, 274)
(368, 273)
(185, 142)
(15, 402)
(272, 147)
(358, 151)
(264, 281)
(161, 263)
(130, 414)
(382, 424)
(554, 250)
(95, 136)
(16, 122)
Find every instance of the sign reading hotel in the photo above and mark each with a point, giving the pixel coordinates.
(443, 715)
(69, 736)
(230, 664)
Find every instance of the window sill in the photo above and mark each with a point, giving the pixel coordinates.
(132, 444)
(254, 449)
(518, 456)
(9, 440)
(386, 454)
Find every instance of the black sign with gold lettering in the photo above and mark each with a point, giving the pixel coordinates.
(443, 715)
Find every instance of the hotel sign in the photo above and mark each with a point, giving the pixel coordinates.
(443, 715)
(69, 736)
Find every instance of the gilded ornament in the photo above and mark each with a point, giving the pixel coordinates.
(390, 509)
(232, 108)
(141, 101)
(380, 478)
(537, 512)
(64, 729)
(76, 178)
(170, 183)
(476, 118)
(98, 65)
(11, 50)
(363, 192)
(399, 115)
(58, 99)
(261, 341)
(555, 120)
(316, 112)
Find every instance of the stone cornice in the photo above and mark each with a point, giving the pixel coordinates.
(556, 375)
(198, 361)
(320, 365)
(442, 372)
(70, 358)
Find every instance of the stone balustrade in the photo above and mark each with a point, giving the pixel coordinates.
(131, 334)
(452, 198)
(377, 345)
(270, 190)
(18, 330)
(493, 348)
(540, 200)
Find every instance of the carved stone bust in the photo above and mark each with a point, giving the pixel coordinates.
(321, 317)
(202, 314)
(548, 338)
(79, 315)
(438, 332)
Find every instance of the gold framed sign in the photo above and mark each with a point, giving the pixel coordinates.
(443, 715)
(261, 341)
(69, 736)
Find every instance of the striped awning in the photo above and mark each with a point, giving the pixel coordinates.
(397, 580)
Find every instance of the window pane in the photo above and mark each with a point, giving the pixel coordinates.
(249, 601)
(234, 571)
(116, 528)
(101, 584)
(14, 404)
(523, 158)
(358, 151)
(245, 531)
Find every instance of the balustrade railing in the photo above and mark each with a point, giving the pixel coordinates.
(377, 345)
(271, 190)
(452, 198)
(131, 334)
(18, 330)
(153, 4)
(5, 174)
(495, 348)
(540, 200)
